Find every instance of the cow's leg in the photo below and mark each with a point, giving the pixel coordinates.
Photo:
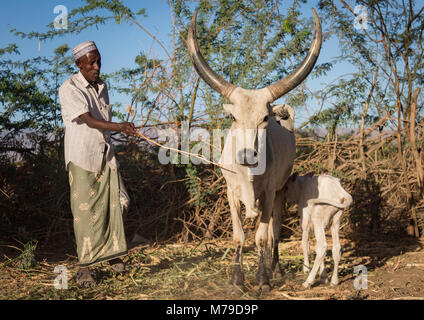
(237, 278)
(323, 276)
(320, 249)
(304, 216)
(274, 233)
(336, 246)
(261, 239)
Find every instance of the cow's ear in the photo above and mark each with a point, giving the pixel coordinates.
(228, 108)
(283, 112)
(280, 112)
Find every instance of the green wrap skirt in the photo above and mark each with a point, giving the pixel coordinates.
(98, 201)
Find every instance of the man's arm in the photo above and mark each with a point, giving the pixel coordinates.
(125, 127)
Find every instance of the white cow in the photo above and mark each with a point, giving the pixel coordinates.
(319, 198)
(259, 163)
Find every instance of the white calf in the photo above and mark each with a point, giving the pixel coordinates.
(319, 199)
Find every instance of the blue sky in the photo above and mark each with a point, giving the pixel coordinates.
(118, 43)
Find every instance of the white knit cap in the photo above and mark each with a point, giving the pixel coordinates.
(83, 48)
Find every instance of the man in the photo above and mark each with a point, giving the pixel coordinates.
(98, 196)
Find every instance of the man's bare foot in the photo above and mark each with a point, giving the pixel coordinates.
(117, 265)
(84, 278)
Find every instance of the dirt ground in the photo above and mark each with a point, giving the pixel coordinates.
(395, 270)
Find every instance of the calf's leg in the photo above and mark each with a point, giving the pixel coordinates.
(336, 246)
(320, 249)
(304, 216)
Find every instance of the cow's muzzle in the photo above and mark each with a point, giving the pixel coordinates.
(247, 157)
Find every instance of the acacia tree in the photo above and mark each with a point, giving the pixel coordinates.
(383, 40)
(389, 43)
(29, 100)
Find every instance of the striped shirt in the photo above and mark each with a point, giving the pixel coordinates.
(85, 146)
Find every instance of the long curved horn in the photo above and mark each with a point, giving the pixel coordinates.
(297, 76)
(205, 72)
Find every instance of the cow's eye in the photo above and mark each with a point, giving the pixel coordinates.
(232, 117)
(266, 119)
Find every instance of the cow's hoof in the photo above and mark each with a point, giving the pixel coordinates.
(262, 288)
(84, 279)
(262, 284)
(277, 273)
(236, 290)
(307, 285)
(237, 279)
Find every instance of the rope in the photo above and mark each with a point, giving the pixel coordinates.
(183, 152)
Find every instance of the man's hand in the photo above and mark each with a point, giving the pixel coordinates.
(128, 128)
